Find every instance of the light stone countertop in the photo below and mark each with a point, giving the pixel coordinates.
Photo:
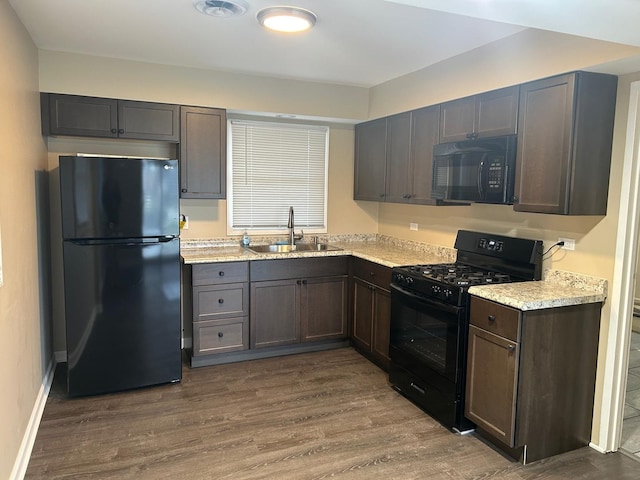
(381, 249)
(558, 289)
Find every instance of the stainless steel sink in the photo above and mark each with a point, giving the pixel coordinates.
(300, 247)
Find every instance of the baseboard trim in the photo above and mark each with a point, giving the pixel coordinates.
(22, 460)
(597, 448)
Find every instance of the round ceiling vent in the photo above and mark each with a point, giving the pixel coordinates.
(220, 8)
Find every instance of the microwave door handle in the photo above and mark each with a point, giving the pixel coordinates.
(480, 172)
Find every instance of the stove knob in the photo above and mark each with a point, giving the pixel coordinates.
(409, 280)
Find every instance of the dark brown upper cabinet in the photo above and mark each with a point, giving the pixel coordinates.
(370, 160)
(564, 144)
(203, 152)
(485, 115)
(394, 157)
(81, 116)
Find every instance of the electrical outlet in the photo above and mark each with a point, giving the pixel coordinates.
(569, 243)
(413, 226)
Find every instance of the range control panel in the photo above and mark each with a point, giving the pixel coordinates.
(490, 244)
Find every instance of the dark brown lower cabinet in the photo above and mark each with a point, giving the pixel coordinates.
(298, 300)
(219, 307)
(531, 377)
(275, 313)
(371, 311)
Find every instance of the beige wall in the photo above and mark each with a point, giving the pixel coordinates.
(24, 303)
(523, 57)
(526, 56)
(81, 74)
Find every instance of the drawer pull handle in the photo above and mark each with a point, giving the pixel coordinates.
(491, 318)
(220, 334)
(221, 274)
(511, 348)
(220, 301)
(418, 388)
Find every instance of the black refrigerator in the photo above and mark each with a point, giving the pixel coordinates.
(121, 248)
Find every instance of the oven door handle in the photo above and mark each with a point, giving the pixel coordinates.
(424, 301)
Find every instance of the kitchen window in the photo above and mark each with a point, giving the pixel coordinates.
(273, 166)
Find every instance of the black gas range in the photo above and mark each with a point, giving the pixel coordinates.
(429, 318)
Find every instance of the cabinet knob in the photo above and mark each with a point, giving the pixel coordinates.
(373, 274)
(221, 301)
(114, 131)
(491, 318)
(121, 131)
(298, 282)
(220, 334)
(184, 190)
(304, 282)
(221, 273)
(511, 348)
(516, 199)
(382, 195)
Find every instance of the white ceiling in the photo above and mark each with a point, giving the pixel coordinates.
(354, 42)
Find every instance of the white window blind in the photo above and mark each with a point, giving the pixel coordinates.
(275, 166)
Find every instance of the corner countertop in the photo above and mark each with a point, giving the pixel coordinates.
(558, 289)
(382, 249)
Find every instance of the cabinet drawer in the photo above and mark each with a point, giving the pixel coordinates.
(495, 318)
(374, 273)
(214, 337)
(281, 269)
(216, 273)
(210, 302)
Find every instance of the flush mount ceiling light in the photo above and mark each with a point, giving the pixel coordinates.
(286, 19)
(222, 9)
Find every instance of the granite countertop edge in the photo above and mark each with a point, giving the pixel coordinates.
(557, 289)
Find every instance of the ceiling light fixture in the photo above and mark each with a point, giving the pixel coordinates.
(286, 19)
(221, 9)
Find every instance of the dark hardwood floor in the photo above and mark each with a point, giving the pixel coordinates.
(320, 415)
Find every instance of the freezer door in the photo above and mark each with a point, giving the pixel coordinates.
(118, 197)
(122, 305)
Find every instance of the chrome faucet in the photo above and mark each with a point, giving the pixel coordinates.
(292, 236)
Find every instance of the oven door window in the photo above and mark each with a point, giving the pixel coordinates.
(426, 331)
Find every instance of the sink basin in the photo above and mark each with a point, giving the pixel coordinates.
(301, 247)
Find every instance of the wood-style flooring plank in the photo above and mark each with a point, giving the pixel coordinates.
(311, 416)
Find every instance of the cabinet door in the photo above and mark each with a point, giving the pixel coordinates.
(492, 376)
(203, 152)
(370, 160)
(398, 156)
(148, 121)
(381, 326)
(544, 140)
(457, 119)
(79, 116)
(324, 308)
(275, 313)
(425, 124)
(497, 112)
(362, 314)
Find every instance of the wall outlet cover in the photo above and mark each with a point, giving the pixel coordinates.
(413, 226)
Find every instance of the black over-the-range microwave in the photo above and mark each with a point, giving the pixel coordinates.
(480, 170)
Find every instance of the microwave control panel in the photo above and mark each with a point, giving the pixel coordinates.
(495, 175)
